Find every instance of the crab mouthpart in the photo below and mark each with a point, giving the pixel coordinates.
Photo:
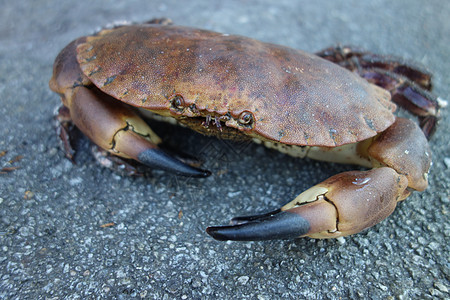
(216, 124)
(215, 121)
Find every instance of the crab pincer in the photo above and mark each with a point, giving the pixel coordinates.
(348, 202)
(110, 124)
(344, 204)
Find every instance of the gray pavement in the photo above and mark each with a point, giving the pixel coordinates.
(53, 244)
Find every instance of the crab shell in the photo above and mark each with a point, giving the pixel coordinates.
(264, 90)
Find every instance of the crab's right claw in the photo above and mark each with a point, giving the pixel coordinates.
(341, 205)
(119, 130)
(158, 159)
(106, 121)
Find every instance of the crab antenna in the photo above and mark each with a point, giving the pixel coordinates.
(276, 225)
(158, 159)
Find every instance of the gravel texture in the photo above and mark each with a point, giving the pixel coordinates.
(80, 231)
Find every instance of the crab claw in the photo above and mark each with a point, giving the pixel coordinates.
(344, 204)
(110, 124)
(277, 224)
(122, 132)
(158, 159)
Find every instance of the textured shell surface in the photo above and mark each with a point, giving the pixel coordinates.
(294, 97)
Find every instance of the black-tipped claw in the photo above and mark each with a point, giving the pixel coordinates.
(271, 226)
(158, 159)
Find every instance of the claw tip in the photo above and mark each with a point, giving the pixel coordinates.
(214, 232)
(157, 158)
(281, 225)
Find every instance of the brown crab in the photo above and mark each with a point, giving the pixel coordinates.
(235, 87)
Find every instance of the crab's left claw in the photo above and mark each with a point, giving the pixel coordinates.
(348, 202)
(341, 205)
(275, 225)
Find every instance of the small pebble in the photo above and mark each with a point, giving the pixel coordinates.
(447, 162)
(441, 287)
(243, 280)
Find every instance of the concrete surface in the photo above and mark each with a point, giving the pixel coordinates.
(53, 244)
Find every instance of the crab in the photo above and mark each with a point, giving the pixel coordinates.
(337, 106)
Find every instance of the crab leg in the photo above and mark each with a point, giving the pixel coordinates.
(349, 202)
(408, 83)
(357, 59)
(108, 123)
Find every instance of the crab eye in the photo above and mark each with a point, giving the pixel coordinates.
(177, 102)
(246, 118)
